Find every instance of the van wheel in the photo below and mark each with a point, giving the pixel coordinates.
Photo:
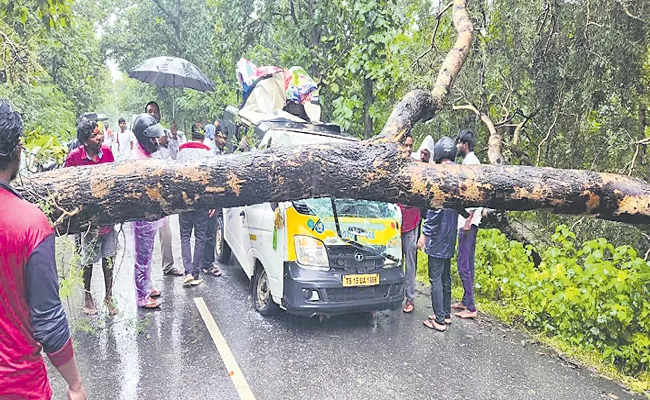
(221, 248)
(262, 298)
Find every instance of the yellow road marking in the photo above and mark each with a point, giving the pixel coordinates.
(234, 372)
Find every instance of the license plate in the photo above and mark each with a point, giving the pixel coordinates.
(361, 280)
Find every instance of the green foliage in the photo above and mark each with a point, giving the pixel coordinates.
(45, 147)
(592, 295)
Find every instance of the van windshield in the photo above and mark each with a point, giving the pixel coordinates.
(351, 208)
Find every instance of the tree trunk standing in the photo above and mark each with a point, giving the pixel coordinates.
(368, 98)
(371, 170)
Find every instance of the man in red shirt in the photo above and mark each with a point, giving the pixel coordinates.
(410, 232)
(99, 243)
(31, 316)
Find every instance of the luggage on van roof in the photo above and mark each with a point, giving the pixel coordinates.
(272, 92)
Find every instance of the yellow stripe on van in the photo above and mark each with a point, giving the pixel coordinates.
(298, 224)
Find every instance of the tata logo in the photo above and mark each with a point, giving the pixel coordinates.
(358, 256)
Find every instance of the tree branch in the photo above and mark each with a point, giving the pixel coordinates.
(548, 135)
(409, 110)
(433, 36)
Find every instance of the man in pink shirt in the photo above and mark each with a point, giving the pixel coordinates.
(410, 233)
(98, 243)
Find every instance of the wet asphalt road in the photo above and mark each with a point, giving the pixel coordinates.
(169, 354)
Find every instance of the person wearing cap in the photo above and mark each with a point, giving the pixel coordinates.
(166, 245)
(197, 220)
(467, 232)
(32, 318)
(97, 243)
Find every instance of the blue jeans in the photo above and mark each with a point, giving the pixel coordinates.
(196, 221)
(440, 279)
(466, 250)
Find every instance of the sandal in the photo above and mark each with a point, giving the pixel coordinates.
(151, 305)
(433, 318)
(408, 307)
(175, 272)
(432, 324)
(155, 294)
(214, 271)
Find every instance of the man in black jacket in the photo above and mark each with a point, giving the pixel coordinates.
(439, 242)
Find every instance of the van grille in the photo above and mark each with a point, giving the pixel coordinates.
(339, 295)
(343, 258)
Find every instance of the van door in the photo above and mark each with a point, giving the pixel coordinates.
(252, 235)
(236, 234)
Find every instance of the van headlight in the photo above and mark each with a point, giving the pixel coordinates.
(393, 248)
(311, 253)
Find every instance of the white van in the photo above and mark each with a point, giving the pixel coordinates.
(315, 256)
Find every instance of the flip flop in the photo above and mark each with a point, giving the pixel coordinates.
(155, 294)
(174, 272)
(433, 318)
(214, 271)
(431, 324)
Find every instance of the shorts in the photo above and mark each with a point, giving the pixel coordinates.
(94, 247)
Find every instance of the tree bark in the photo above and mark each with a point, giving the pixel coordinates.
(371, 170)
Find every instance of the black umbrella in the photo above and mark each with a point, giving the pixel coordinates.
(172, 72)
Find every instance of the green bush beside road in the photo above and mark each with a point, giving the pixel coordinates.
(589, 296)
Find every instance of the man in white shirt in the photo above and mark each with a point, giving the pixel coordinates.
(467, 231)
(176, 139)
(123, 142)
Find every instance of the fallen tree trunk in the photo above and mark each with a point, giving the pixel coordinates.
(371, 170)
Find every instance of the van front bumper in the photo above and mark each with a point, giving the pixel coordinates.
(301, 283)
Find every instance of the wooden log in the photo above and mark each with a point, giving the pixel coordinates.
(371, 170)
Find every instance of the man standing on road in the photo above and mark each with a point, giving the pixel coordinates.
(109, 135)
(467, 231)
(32, 318)
(196, 220)
(146, 130)
(125, 140)
(98, 243)
(166, 246)
(439, 242)
(410, 231)
(209, 266)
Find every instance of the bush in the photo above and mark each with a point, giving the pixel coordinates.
(594, 296)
